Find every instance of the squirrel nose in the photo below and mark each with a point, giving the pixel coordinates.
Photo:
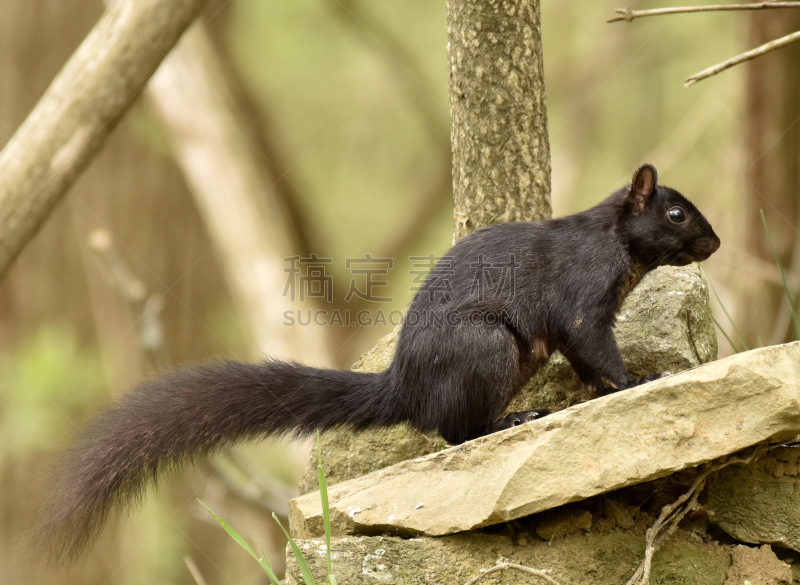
(707, 245)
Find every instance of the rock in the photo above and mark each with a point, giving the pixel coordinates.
(619, 514)
(760, 566)
(557, 524)
(760, 503)
(599, 559)
(346, 455)
(623, 439)
(664, 325)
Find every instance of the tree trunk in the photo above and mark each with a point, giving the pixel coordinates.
(501, 153)
(773, 175)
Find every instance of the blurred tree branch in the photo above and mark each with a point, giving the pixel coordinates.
(145, 309)
(249, 222)
(402, 63)
(79, 110)
(414, 84)
(258, 129)
(412, 81)
(628, 15)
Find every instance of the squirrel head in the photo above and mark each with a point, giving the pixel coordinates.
(662, 226)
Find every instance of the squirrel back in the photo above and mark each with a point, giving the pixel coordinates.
(489, 314)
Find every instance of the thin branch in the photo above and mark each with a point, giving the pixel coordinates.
(194, 570)
(255, 492)
(671, 515)
(752, 54)
(146, 309)
(514, 566)
(401, 62)
(629, 15)
(79, 110)
(247, 220)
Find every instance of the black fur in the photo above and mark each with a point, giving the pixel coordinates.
(487, 317)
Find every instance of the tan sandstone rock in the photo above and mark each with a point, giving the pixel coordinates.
(627, 438)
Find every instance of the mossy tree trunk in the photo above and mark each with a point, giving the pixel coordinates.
(501, 152)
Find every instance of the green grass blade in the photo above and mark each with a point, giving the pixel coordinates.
(305, 571)
(724, 334)
(728, 315)
(262, 560)
(326, 512)
(783, 276)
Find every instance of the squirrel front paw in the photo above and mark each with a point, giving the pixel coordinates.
(602, 390)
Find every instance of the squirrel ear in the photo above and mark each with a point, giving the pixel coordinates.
(642, 187)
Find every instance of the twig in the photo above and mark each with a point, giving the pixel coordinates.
(267, 498)
(503, 566)
(145, 308)
(194, 570)
(629, 15)
(671, 515)
(751, 54)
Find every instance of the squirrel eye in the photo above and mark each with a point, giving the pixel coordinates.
(676, 214)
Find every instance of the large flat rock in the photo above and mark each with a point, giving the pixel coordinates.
(627, 438)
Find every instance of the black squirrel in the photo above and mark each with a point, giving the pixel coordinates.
(488, 315)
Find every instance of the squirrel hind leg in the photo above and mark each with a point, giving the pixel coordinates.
(482, 377)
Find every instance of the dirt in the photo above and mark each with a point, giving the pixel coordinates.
(759, 566)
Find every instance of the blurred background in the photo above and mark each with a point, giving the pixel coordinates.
(344, 105)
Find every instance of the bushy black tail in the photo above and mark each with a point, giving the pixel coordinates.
(167, 421)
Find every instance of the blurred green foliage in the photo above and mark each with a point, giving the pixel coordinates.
(355, 139)
(48, 383)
